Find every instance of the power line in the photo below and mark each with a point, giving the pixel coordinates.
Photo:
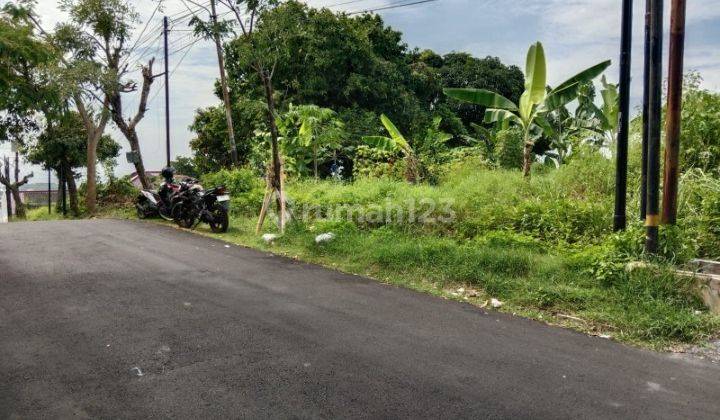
(396, 6)
(146, 25)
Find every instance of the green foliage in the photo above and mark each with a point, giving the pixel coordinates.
(377, 163)
(66, 141)
(310, 133)
(185, 166)
(358, 67)
(24, 87)
(700, 130)
(245, 188)
(211, 143)
(534, 103)
(508, 148)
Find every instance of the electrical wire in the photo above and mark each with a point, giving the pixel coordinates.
(396, 6)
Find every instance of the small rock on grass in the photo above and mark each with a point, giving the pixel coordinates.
(324, 238)
(269, 238)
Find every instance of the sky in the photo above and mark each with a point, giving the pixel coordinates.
(575, 33)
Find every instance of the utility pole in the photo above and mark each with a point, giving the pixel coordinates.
(167, 92)
(620, 219)
(224, 86)
(652, 218)
(645, 113)
(674, 104)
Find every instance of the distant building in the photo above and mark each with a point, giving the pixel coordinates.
(36, 194)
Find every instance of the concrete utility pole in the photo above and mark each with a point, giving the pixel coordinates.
(652, 218)
(674, 105)
(167, 92)
(224, 85)
(620, 219)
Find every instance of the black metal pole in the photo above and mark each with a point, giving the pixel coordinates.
(652, 218)
(167, 92)
(49, 192)
(645, 113)
(620, 219)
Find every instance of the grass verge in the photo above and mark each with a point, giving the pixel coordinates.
(648, 307)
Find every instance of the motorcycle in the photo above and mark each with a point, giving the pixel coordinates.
(192, 205)
(151, 203)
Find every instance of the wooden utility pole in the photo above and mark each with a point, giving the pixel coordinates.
(167, 92)
(645, 113)
(674, 105)
(652, 218)
(224, 85)
(620, 219)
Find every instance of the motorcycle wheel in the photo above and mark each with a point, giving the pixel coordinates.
(140, 212)
(220, 220)
(165, 214)
(181, 217)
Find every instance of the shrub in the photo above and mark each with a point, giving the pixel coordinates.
(509, 148)
(246, 189)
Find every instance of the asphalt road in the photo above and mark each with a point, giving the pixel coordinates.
(123, 319)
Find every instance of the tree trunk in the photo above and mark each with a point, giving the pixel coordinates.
(277, 165)
(224, 88)
(275, 183)
(527, 155)
(72, 190)
(315, 160)
(19, 206)
(91, 183)
(129, 128)
(132, 138)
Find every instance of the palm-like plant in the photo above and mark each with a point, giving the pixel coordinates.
(398, 144)
(534, 103)
(319, 128)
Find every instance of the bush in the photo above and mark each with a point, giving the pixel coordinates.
(116, 191)
(509, 148)
(246, 189)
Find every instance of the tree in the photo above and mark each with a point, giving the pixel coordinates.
(24, 86)
(210, 144)
(103, 28)
(214, 30)
(460, 69)
(264, 51)
(314, 129)
(14, 188)
(534, 103)
(62, 147)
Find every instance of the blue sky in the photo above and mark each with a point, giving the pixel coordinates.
(576, 34)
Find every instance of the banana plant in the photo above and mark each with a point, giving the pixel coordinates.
(534, 103)
(607, 115)
(319, 128)
(398, 144)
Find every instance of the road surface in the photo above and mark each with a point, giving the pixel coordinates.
(121, 319)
